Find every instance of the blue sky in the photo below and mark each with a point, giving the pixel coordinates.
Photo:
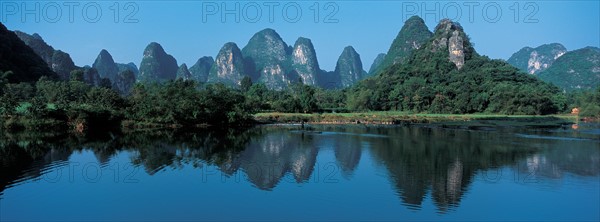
(189, 30)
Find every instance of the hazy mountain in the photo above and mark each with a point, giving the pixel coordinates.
(106, 66)
(535, 60)
(201, 69)
(578, 69)
(124, 82)
(377, 63)
(184, 73)
(129, 66)
(349, 67)
(157, 65)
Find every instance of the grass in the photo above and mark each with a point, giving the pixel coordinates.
(394, 117)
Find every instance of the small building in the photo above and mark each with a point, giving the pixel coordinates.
(575, 111)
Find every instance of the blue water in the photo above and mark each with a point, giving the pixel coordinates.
(325, 173)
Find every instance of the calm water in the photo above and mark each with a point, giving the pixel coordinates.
(326, 172)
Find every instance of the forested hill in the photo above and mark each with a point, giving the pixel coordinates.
(447, 75)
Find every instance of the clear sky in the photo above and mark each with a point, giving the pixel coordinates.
(189, 30)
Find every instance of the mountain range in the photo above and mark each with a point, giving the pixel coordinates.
(268, 59)
(569, 70)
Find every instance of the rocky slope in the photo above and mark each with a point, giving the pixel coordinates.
(304, 61)
(266, 57)
(449, 42)
(229, 66)
(349, 67)
(157, 65)
(535, 60)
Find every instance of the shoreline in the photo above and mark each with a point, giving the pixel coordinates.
(398, 118)
(469, 121)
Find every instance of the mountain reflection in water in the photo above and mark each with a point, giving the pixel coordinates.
(418, 160)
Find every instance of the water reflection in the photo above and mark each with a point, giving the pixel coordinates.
(420, 161)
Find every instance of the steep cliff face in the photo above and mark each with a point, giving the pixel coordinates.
(183, 73)
(450, 38)
(349, 67)
(201, 69)
(106, 66)
(229, 66)
(266, 56)
(578, 69)
(157, 65)
(59, 61)
(304, 61)
(535, 60)
(412, 36)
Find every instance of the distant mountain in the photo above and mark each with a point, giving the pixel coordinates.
(349, 67)
(106, 66)
(157, 65)
(229, 66)
(62, 64)
(59, 61)
(129, 66)
(578, 69)
(266, 57)
(377, 63)
(124, 82)
(183, 72)
(39, 46)
(535, 60)
(304, 61)
(201, 69)
(412, 36)
(91, 76)
(25, 64)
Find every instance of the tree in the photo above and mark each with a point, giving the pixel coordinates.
(308, 102)
(77, 75)
(246, 83)
(105, 83)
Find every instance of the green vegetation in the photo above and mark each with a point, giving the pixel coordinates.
(75, 105)
(430, 83)
(575, 70)
(397, 117)
(587, 101)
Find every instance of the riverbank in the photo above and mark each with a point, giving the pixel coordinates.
(469, 121)
(403, 118)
